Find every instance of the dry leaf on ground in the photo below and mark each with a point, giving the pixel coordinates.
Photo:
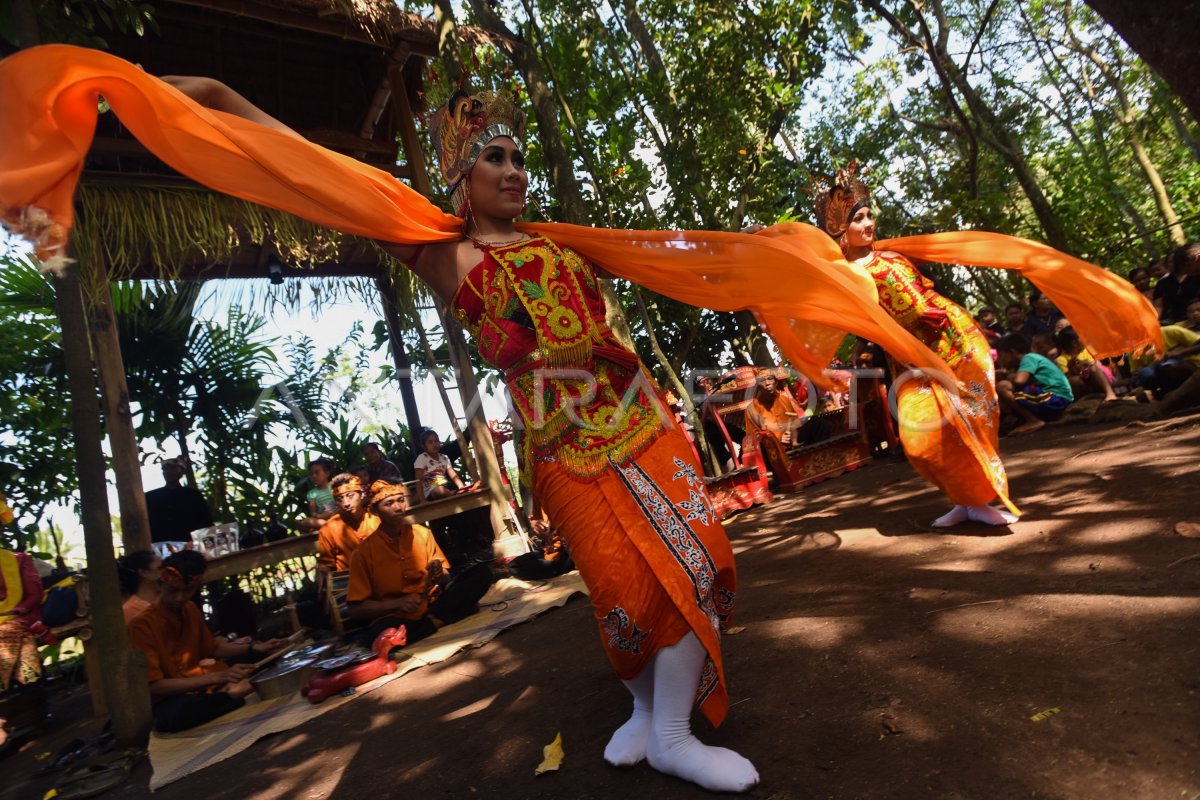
(552, 756)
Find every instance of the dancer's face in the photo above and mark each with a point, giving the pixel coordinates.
(499, 181)
(861, 232)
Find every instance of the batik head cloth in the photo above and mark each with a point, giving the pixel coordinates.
(837, 198)
(463, 128)
(352, 485)
(382, 489)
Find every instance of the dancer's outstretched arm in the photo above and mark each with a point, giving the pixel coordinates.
(211, 93)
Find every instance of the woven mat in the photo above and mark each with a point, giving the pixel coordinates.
(176, 755)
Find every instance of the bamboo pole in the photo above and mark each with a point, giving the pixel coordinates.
(118, 419)
(122, 671)
(436, 372)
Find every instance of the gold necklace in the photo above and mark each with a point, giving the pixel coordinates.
(521, 237)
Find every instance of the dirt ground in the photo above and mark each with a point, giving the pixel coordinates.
(879, 659)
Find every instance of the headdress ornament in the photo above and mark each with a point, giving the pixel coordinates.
(174, 578)
(352, 485)
(464, 127)
(836, 198)
(382, 489)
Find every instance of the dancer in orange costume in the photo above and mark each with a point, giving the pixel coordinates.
(949, 430)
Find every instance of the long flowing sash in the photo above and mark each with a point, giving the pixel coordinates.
(802, 291)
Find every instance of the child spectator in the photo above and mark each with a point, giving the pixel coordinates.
(138, 575)
(1014, 316)
(320, 497)
(1038, 391)
(1140, 278)
(1192, 323)
(989, 323)
(1084, 373)
(1174, 292)
(1043, 345)
(1180, 362)
(434, 472)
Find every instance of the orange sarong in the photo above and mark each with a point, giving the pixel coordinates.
(654, 557)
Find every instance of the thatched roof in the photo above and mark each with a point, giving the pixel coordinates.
(319, 66)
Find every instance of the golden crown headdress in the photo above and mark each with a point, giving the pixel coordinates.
(836, 198)
(463, 128)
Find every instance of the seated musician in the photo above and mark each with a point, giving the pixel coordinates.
(772, 411)
(188, 685)
(399, 576)
(341, 535)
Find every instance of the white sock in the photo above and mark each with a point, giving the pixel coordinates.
(628, 743)
(990, 515)
(672, 748)
(952, 517)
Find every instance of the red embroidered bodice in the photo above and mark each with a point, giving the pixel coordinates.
(536, 313)
(906, 294)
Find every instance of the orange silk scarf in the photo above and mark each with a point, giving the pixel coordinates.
(799, 286)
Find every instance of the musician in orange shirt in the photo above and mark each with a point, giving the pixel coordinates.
(341, 535)
(399, 575)
(188, 684)
(772, 411)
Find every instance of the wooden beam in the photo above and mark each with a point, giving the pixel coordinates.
(123, 672)
(413, 154)
(383, 92)
(118, 419)
(265, 555)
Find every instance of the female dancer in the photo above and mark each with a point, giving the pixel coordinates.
(949, 430)
(623, 488)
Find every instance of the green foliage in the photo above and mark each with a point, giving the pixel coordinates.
(37, 464)
(80, 22)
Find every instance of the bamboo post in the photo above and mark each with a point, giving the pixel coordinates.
(387, 297)
(480, 433)
(436, 372)
(118, 419)
(122, 671)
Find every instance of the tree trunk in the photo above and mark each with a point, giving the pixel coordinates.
(118, 419)
(391, 318)
(685, 395)
(1164, 34)
(991, 130)
(122, 671)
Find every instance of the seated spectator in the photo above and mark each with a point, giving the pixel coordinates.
(1159, 270)
(361, 472)
(1043, 345)
(399, 575)
(989, 323)
(1042, 318)
(188, 685)
(347, 529)
(1181, 360)
(320, 497)
(1038, 391)
(175, 510)
(138, 575)
(1014, 317)
(378, 467)
(1140, 278)
(20, 621)
(772, 411)
(1192, 323)
(1175, 291)
(435, 476)
(1083, 372)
